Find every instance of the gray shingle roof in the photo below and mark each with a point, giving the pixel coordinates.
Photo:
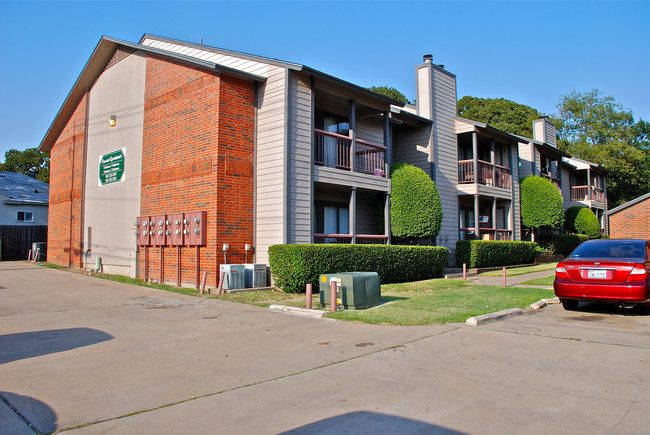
(16, 188)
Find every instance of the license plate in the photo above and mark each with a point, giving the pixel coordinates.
(596, 274)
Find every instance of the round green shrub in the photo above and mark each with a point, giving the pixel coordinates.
(570, 218)
(415, 209)
(541, 204)
(587, 223)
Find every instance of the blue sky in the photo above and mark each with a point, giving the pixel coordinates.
(526, 51)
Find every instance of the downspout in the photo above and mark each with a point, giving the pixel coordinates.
(82, 218)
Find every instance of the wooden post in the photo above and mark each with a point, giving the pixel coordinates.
(503, 278)
(222, 276)
(197, 266)
(464, 271)
(203, 279)
(162, 265)
(308, 296)
(178, 266)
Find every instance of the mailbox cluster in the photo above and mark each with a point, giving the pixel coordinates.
(175, 229)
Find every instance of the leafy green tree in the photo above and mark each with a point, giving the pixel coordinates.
(597, 128)
(505, 115)
(390, 93)
(541, 204)
(415, 209)
(30, 162)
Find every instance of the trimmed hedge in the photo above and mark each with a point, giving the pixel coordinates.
(562, 244)
(492, 253)
(541, 204)
(582, 220)
(295, 266)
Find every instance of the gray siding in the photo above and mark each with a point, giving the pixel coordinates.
(270, 164)
(516, 206)
(566, 186)
(371, 129)
(446, 160)
(110, 210)
(8, 214)
(299, 164)
(526, 158)
(412, 146)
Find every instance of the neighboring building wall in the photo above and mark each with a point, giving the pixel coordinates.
(9, 213)
(270, 168)
(198, 148)
(65, 237)
(110, 210)
(412, 145)
(631, 222)
(300, 160)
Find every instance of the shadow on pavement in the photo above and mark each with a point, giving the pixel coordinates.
(603, 308)
(24, 345)
(29, 412)
(370, 422)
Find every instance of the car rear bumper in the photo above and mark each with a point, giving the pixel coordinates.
(627, 292)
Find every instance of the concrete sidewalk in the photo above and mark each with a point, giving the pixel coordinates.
(91, 356)
(512, 281)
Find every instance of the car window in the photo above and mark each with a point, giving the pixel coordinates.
(610, 249)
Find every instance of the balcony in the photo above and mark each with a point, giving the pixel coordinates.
(553, 180)
(335, 151)
(361, 239)
(587, 193)
(488, 174)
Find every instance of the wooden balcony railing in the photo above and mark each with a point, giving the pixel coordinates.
(488, 233)
(488, 174)
(362, 239)
(587, 193)
(333, 150)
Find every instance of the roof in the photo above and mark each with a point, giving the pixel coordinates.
(548, 149)
(573, 160)
(17, 188)
(107, 46)
(489, 128)
(628, 204)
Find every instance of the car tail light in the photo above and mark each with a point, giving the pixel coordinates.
(638, 273)
(560, 271)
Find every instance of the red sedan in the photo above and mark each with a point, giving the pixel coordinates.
(605, 270)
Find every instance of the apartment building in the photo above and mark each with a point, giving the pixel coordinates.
(169, 158)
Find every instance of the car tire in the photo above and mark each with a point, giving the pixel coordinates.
(570, 304)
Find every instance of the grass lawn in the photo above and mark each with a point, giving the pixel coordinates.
(541, 281)
(521, 270)
(427, 302)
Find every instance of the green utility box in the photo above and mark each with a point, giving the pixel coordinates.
(354, 290)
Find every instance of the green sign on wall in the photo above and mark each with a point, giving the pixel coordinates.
(111, 167)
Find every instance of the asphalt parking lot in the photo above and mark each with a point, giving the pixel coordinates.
(89, 356)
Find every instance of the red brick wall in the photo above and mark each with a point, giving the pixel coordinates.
(198, 146)
(632, 222)
(65, 235)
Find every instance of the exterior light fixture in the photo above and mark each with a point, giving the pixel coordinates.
(112, 121)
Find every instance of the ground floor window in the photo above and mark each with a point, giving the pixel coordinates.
(24, 216)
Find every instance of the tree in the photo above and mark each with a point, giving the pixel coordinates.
(30, 162)
(505, 115)
(541, 204)
(390, 93)
(597, 128)
(415, 208)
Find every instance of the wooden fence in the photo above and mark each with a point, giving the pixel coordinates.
(16, 240)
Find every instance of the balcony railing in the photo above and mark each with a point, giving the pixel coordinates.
(333, 150)
(587, 193)
(362, 239)
(488, 174)
(486, 233)
(553, 180)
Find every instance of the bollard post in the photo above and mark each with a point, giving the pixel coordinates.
(308, 295)
(503, 278)
(29, 255)
(464, 272)
(332, 295)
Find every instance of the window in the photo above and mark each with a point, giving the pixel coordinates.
(24, 216)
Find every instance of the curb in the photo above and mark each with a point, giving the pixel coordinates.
(512, 312)
(299, 311)
(544, 302)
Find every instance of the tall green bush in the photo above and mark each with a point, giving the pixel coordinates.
(581, 220)
(493, 253)
(562, 244)
(295, 266)
(541, 204)
(415, 209)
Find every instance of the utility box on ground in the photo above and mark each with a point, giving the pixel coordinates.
(254, 275)
(233, 276)
(354, 290)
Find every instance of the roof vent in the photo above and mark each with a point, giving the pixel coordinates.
(427, 58)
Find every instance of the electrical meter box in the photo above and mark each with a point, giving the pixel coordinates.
(354, 290)
(195, 227)
(175, 229)
(233, 276)
(254, 275)
(142, 231)
(159, 228)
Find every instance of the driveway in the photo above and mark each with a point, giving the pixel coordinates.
(94, 356)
